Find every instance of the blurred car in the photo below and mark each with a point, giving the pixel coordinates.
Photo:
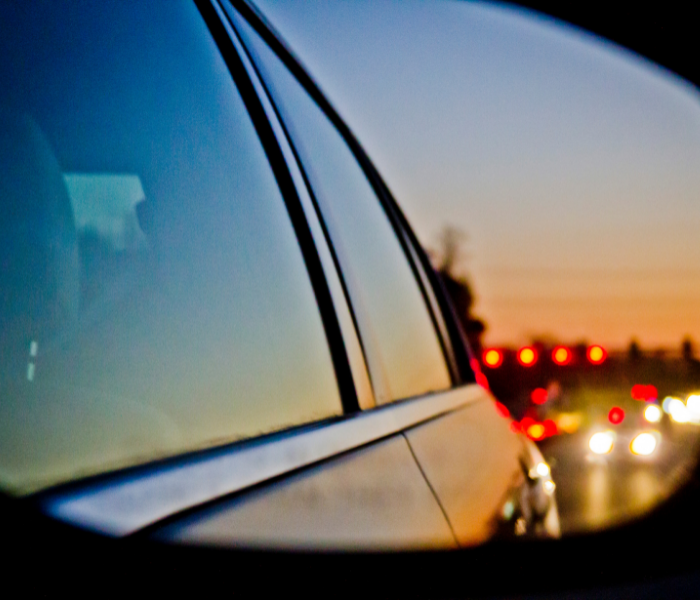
(217, 326)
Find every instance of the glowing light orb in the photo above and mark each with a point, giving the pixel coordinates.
(538, 396)
(652, 413)
(493, 358)
(644, 444)
(645, 393)
(539, 470)
(678, 411)
(693, 404)
(596, 354)
(536, 431)
(601, 442)
(561, 355)
(616, 415)
(527, 356)
(666, 404)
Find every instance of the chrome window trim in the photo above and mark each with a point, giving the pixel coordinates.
(354, 348)
(126, 503)
(254, 17)
(434, 307)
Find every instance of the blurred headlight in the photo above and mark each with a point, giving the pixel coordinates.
(568, 422)
(601, 442)
(540, 470)
(644, 444)
(678, 411)
(693, 404)
(652, 413)
(666, 404)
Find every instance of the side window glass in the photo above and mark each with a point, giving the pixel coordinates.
(154, 297)
(399, 339)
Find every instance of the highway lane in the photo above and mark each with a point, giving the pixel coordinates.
(596, 492)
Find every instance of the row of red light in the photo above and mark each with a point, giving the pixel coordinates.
(535, 430)
(528, 356)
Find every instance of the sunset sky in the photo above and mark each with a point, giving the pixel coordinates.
(572, 166)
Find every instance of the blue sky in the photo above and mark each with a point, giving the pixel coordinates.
(571, 164)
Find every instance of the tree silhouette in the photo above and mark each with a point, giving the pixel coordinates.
(457, 286)
(634, 352)
(687, 349)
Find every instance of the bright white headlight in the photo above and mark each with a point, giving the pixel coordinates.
(540, 470)
(666, 404)
(678, 411)
(693, 405)
(652, 413)
(601, 442)
(644, 444)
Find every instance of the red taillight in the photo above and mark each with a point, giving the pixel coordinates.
(527, 356)
(561, 355)
(616, 415)
(596, 354)
(502, 410)
(493, 358)
(536, 432)
(538, 396)
(645, 393)
(550, 428)
(478, 375)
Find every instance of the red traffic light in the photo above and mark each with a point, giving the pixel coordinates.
(616, 415)
(492, 357)
(527, 356)
(561, 355)
(596, 354)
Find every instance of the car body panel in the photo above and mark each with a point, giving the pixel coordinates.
(374, 498)
(124, 503)
(456, 453)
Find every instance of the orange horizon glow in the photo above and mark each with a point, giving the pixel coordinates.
(579, 241)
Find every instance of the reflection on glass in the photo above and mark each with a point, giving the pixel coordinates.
(154, 297)
(570, 164)
(404, 354)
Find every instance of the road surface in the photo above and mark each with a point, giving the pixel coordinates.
(598, 492)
